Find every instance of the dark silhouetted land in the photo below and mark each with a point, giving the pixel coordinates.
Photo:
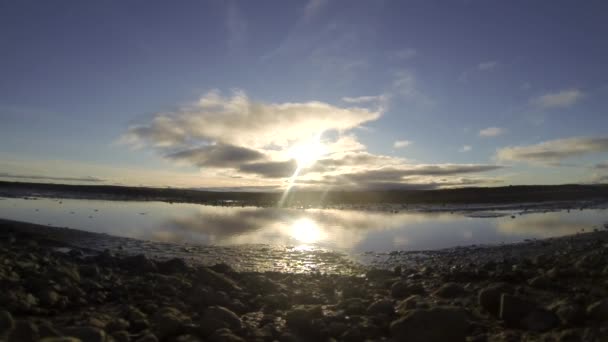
(493, 195)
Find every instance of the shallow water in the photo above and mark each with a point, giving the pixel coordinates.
(346, 231)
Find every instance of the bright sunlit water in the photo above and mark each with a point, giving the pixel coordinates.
(343, 230)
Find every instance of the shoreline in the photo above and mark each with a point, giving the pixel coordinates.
(550, 290)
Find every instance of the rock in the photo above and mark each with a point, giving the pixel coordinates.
(89, 271)
(489, 297)
(121, 336)
(24, 331)
(147, 338)
(219, 317)
(570, 335)
(377, 273)
(139, 263)
(402, 289)
(449, 290)
(117, 324)
(171, 266)
(540, 320)
(132, 314)
(224, 335)
(167, 322)
(353, 306)
(513, 309)
(46, 329)
(381, 307)
(216, 280)
(541, 282)
(65, 271)
(410, 303)
(438, 324)
(60, 339)
(599, 310)
(6, 322)
(86, 333)
(49, 298)
(300, 318)
(568, 311)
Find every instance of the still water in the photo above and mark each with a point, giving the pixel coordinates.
(349, 231)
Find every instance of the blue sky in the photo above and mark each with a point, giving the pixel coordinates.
(413, 94)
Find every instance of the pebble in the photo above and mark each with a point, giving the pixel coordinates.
(381, 307)
(438, 324)
(598, 310)
(490, 296)
(218, 317)
(449, 290)
(6, 322)
(87, 334)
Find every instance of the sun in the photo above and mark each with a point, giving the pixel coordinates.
(308, 152)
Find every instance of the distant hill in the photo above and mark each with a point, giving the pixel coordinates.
(507, 194)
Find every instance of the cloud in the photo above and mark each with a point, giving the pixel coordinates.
(403, 54)
(313, 7)
(465, 148)
(491, 132)
(601, 166)
(239, 121)
(236, 140)
(219, 155)
(366, 99)
(489, 65)
(405, 85)
(561, 99)
(396, 173)
(553, 151)
(236, 25)
(52, 178)
(411, 177)
(271, 169)
(402, 143)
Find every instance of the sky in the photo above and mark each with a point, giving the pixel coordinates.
(316, 94)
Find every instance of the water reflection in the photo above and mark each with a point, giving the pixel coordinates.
(348, 230)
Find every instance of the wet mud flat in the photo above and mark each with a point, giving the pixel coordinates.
(57, 284)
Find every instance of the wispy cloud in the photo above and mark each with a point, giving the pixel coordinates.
(491, 132)
(236, 25)
(561, 99)
(406, 86)
(601, 166)
(366, 99)
(313, 7)
(465, 148)
(489, 65)
(401, 143)
(553, 151)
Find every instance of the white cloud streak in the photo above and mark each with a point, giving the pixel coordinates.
(561, 99)
(489, 65)
(401, 143)
(553, 151)
(491, 132)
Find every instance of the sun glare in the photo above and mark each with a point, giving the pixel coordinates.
(307, 153)
(306, 231)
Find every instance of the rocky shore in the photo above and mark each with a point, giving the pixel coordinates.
(51, 291)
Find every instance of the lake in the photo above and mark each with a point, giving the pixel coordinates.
(348, 231)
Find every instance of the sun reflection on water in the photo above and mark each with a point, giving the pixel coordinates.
(306, 231)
